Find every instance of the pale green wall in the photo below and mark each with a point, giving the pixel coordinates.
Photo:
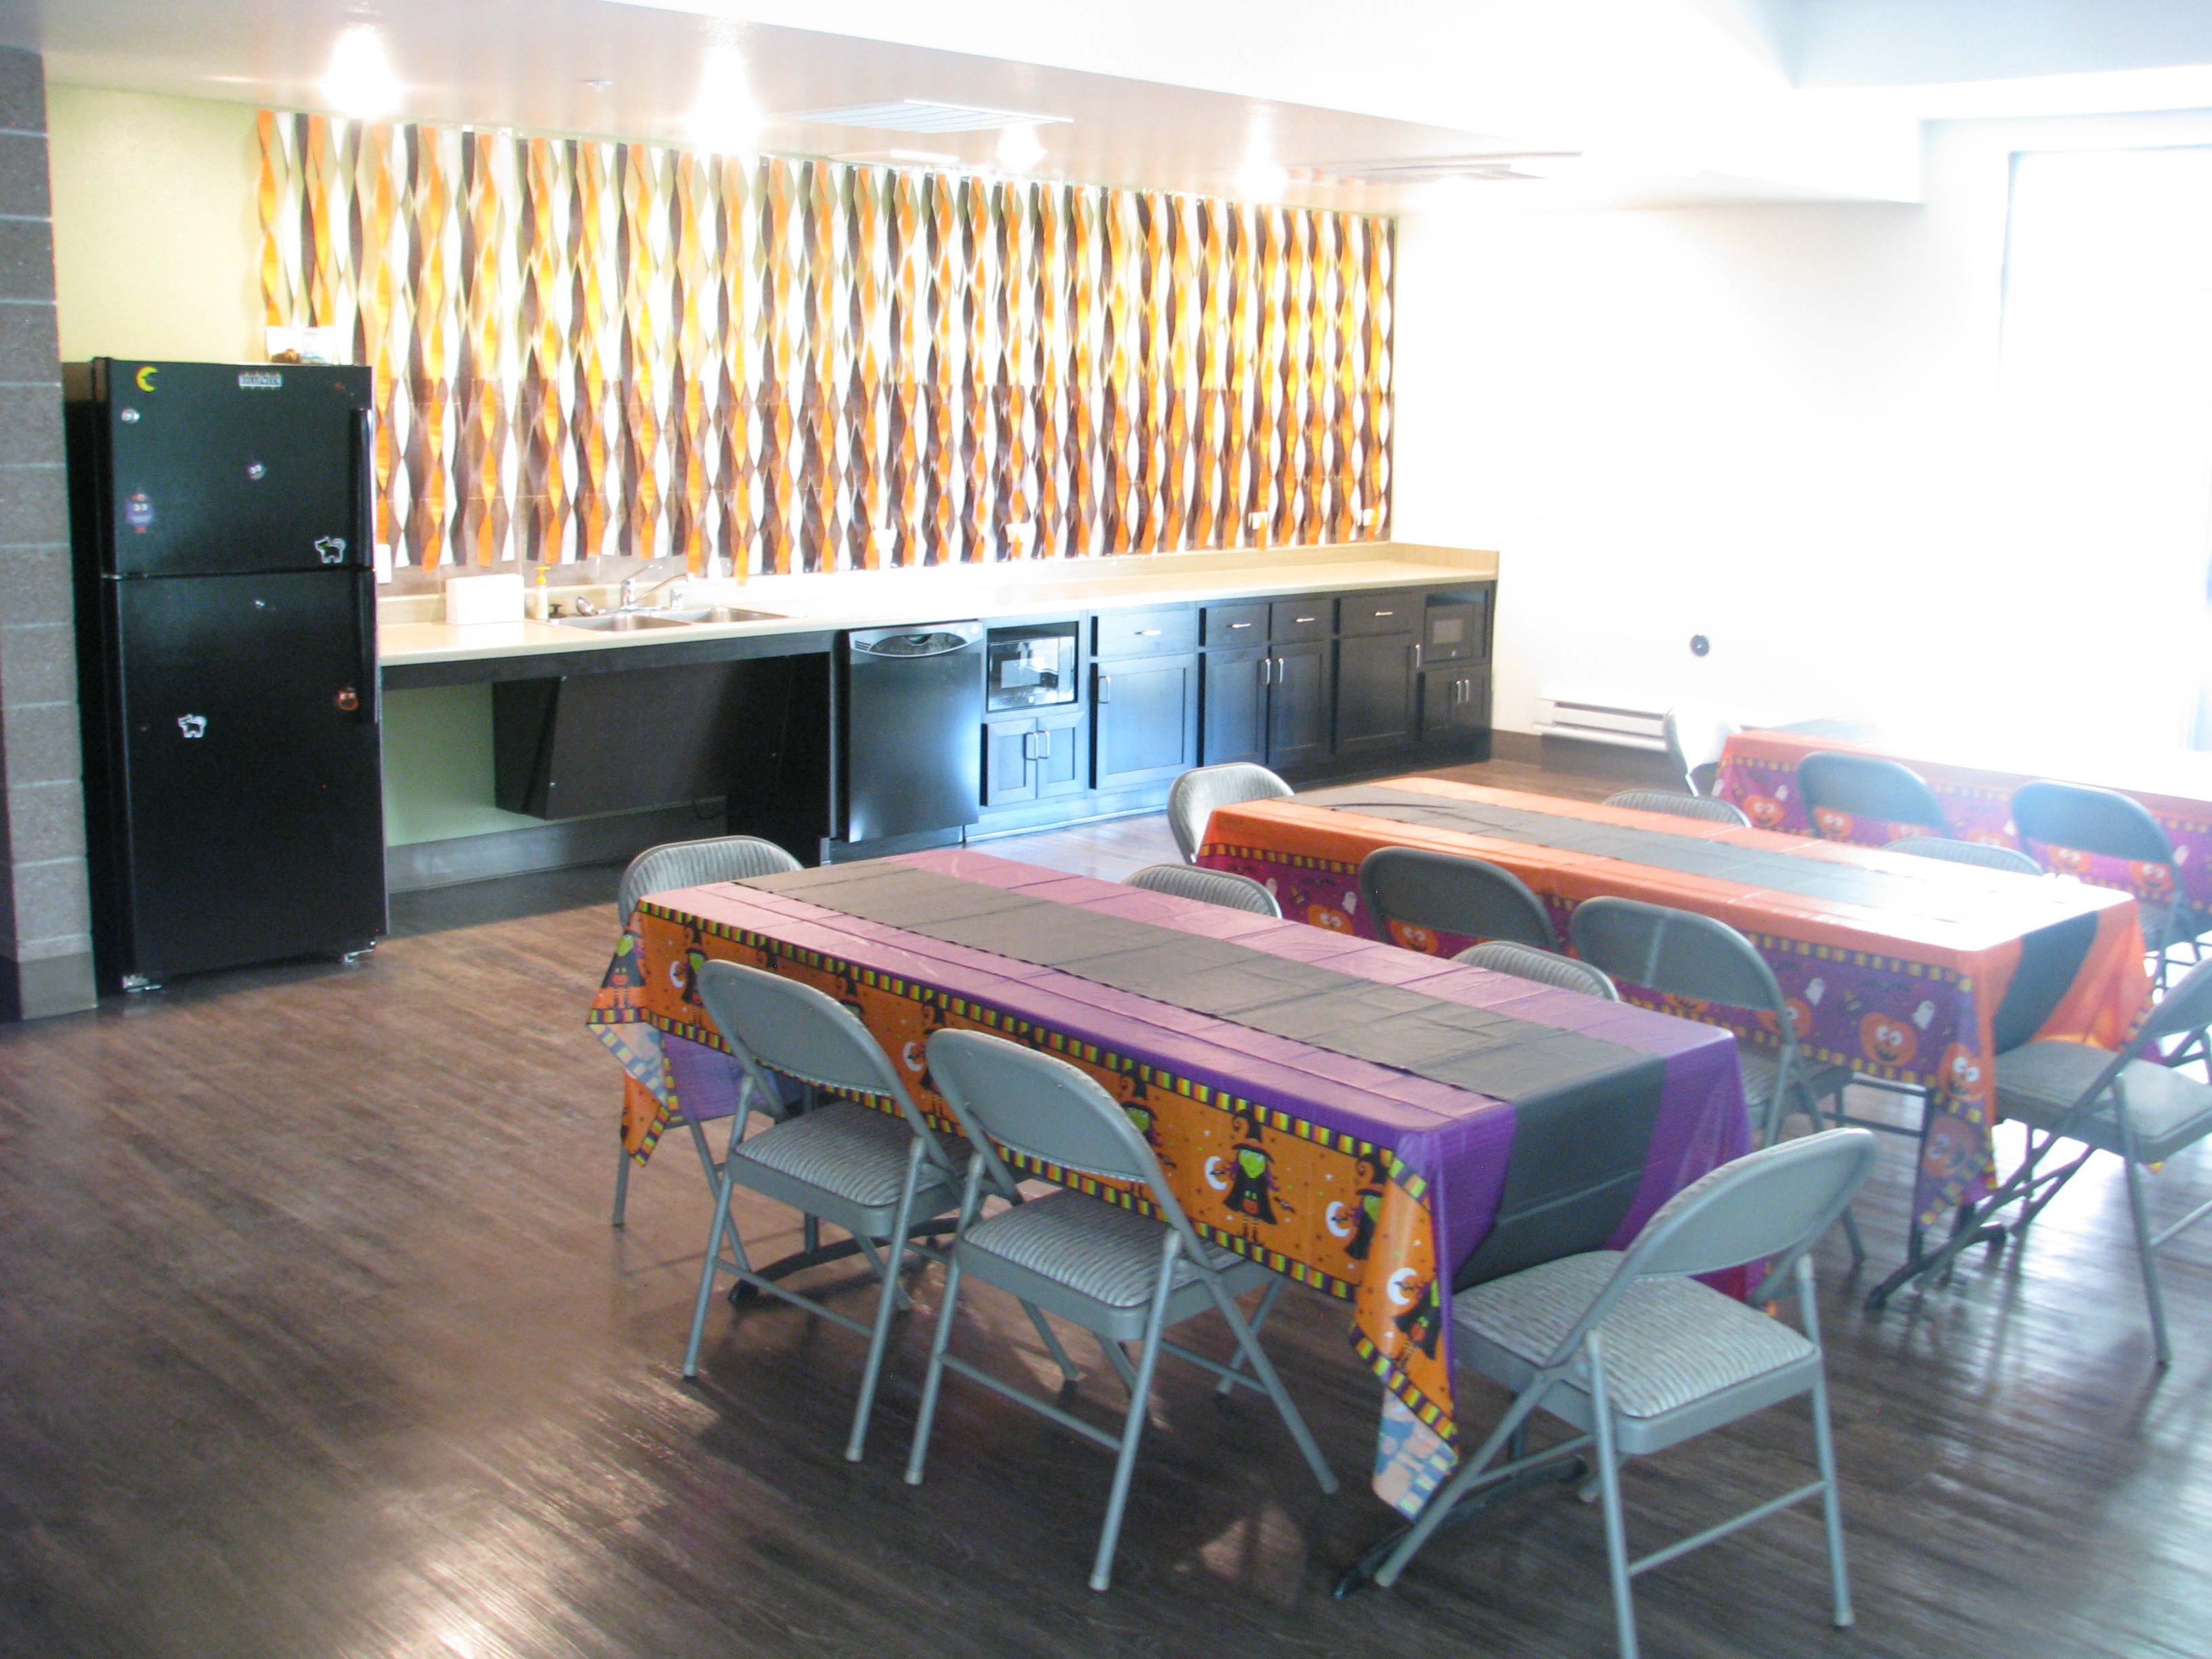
(437, 766)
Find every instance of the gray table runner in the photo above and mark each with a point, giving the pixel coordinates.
(1477, 1049)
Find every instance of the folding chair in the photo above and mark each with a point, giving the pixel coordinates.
(1630, 1350)
(1193, 796)
(691, 863)
(1866, 787)
(1543, 967)
(1966, 852)
(1681, 953)
(2071, 816)
(1449, 894)
(874, 1174)
(1121, 1275)
(1695, 739)
(2143, 1112)
(1682, 806)
(1209, 886)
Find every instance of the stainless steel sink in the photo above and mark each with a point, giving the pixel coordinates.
(722, 613)
(624, 623)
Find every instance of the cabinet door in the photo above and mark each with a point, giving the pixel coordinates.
(1147, 719)
(1008, 778)
(1235, 715)
(1056, 765)
(1455, 702)
(1298, 705)
(1374, 692)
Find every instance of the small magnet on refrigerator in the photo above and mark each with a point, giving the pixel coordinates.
(129, 418)
(255, 470)
(330, 548)
(349, 699)
(138, 511)
(192, 725)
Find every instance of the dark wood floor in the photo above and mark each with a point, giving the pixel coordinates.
(314, 1341)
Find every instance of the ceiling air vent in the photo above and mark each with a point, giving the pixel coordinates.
(1490, 168)
(921, 115)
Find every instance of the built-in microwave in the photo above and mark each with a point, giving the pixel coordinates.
(1032, 667)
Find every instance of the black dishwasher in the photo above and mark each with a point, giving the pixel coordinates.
(914, 697)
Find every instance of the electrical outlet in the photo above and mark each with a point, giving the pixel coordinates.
(885, 538)
(1020, 532)
(1255, 521)
(1371, 515)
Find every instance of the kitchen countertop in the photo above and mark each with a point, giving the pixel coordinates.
(878, 598)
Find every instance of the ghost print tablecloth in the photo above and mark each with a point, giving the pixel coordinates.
(1904, 968)
(1974, 780)
(1383, 1186)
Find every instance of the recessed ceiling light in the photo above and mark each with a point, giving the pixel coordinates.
(1260, 180)
(1020, 148)
(1491, 168)
(921, 115)
(599, 86)
(360, 81)
(726, 118)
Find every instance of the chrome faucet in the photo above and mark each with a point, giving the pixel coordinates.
(630, 596)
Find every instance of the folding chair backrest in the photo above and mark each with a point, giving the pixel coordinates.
(1695, 737)
(1543, 967)
(1966, 852)
(793, 1029)
(1679, 952)
(692, 863)
(1450, 894)
(1767, 1206)
(1209, 886)
(1868, 786)
(2101, 821)
(1680, 806)
(1040, 1106)
(2186, 1007)
(1195, 794)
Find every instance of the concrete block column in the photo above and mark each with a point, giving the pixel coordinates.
(46, 938)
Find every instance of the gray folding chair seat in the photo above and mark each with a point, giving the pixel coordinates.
(1193, 796)
(1448, 893)
(2112, 825)
(1122, 1275)
(1222, 887)
(691, 863)
(1630, 1350)
(1966, 852)
(1542, 966)
(1868, 786)
(874, 1174)
(1681, 806)
(2143, 1112)
(1695, 739)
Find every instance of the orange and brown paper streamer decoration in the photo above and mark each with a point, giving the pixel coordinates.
(587, 348)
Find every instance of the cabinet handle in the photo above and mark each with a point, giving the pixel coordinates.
(1306, 619)
(1417, 653)
(1148, 633)
(1029, 745)
(1236, 625)
(1386, 613)
(1105, 688)
(1044, 745)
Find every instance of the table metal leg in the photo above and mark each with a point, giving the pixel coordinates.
(800, 1260)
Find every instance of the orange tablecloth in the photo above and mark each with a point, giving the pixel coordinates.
(1908, 988)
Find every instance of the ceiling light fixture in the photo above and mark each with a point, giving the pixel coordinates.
(725, 119)
(360, 81)
(1020, 148)
(1261, 179)
(921, 115)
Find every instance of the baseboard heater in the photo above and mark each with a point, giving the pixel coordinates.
(1602, 722)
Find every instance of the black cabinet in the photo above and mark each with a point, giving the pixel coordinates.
(1235, 686)
(1029, 757)
(1456, 706)
(1374, 692)
(1268, 698)
(1146, 710)
(1299, 701)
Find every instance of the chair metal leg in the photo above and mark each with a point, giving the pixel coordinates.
(1608, 1474)
(1264, 1368)
(1052, 1343)
(1228, 1384)
(1133, 1429)
(622, 1183)
(893, 1266)
(724, 1227)
(933, 1382)
(1832, 1503)
(1472, 1472)
(2148, 1254)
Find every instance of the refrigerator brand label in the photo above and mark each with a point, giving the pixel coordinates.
(192, 725)
(330, 548)
(139, 512)
(260, 380)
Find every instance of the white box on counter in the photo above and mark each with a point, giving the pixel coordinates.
(483, 600)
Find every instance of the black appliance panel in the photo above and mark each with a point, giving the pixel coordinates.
(219, 467)
(251, 796)
(1033, 667)
(913, 698)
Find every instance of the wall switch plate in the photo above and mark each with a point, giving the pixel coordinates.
(1368, 515)
(1255, 521)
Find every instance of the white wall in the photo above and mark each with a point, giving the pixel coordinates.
(1777, 426)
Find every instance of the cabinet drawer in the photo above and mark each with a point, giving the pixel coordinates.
(1236, 624)
(1147, 633)
(1381, 613)
(1293, 622)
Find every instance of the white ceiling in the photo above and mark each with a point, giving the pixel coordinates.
(1667, 100)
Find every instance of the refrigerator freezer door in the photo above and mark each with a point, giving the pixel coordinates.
(215, 467)
(252, 803)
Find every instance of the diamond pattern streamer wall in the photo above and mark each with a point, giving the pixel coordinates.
(587, 348)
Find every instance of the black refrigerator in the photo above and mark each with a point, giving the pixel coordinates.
(226, 650)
